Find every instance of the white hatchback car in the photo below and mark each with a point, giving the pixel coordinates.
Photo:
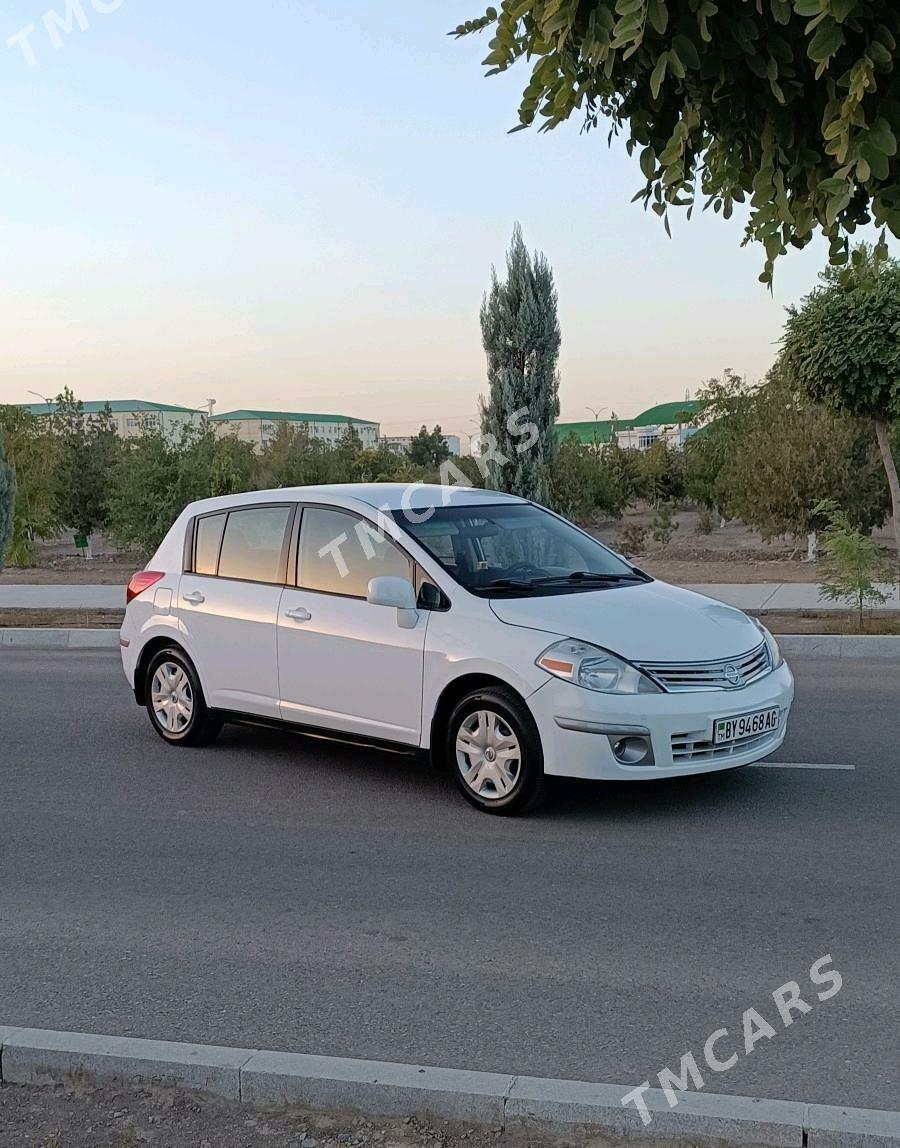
(474, 626)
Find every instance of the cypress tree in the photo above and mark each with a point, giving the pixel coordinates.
(521, 338)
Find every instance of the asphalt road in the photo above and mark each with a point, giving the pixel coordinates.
(275, 891)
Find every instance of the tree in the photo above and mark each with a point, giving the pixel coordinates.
(793, 105)
(708, 454)
(293, 457)
(145, 499)
(660, 474)
(842, 346)
(428, 448)
(854, 563)
(30, 451)
(768, 455)
(7, 502)
(86, 455)
(156, 478)
(521, 337)
(582, 482)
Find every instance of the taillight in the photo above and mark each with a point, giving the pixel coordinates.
(141, 581)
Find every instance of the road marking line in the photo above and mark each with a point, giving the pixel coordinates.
(798, 765)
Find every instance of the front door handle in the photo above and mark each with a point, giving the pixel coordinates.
(195, 598)
(299, 614)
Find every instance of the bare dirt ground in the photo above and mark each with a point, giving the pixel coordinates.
(86, 1117)
(73, 572)
(732, 553)
(61, 619)
(831, 622)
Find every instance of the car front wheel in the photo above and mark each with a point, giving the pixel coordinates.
(494, 752)
(175, 702)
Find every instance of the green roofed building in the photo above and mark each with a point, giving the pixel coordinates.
(668, 421)
(130, 416)
(258, 427)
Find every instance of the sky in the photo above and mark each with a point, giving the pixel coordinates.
(296, 206)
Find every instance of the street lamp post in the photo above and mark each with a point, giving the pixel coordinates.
(596, 412)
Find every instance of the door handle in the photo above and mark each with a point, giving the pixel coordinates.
(195, 598)
(299, 614)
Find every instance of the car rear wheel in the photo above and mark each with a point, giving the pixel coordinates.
(175, 702)
(494, 752)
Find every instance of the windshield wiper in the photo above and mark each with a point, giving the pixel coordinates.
(509, 584)
(586, 576)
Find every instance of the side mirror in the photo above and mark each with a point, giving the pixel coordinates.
(389, 590)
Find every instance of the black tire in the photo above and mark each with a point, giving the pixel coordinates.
(202, 726)
(512, 716)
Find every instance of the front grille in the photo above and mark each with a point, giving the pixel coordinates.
(722, 674)
(685, 748)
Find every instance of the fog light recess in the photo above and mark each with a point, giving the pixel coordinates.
(632, 749)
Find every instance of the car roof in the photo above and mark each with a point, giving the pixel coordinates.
(379, 495)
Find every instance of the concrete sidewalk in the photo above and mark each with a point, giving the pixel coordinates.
(60, 597)
(760, 596)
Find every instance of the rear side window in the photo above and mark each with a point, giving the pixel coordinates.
(340, 553)
(253, 544)
(207, 541)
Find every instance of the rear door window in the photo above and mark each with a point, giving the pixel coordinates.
(253, 547)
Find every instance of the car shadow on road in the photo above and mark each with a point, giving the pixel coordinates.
(572, 799)
(386, 777)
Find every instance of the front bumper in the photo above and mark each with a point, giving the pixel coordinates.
(578, 728)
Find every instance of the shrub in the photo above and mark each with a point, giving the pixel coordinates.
(663, 524)
(853, 563)
(632, 540)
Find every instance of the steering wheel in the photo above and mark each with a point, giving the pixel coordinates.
(523, 567)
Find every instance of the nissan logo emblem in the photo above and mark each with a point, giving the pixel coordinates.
(732, 674)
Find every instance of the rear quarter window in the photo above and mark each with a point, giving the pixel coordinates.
(253, 544)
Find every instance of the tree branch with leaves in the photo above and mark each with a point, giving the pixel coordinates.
(789, 106)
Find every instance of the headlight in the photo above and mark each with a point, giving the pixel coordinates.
(594, 669)
(774, 652)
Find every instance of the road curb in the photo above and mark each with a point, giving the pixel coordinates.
(39, 1057)
(840, 645)
(50, 638)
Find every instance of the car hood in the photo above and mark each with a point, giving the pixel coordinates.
(647, 621)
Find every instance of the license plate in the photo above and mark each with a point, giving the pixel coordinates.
(746, 725)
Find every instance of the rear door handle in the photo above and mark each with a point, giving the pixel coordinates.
(299, 614)
(195, 598)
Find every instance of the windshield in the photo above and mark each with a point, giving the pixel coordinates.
(516, 548)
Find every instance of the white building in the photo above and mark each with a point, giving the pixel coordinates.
(259, 427)
(400, 443)
(130, 417)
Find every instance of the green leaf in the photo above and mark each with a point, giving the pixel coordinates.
(658, 15)
(659, 74)
(648, 162)
(882, 138)
(841, 9)
(876, 160)
(827, 40)
(810, 7)
(675, 65)
(687, 52)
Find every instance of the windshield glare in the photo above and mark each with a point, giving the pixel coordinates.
(515, 548)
